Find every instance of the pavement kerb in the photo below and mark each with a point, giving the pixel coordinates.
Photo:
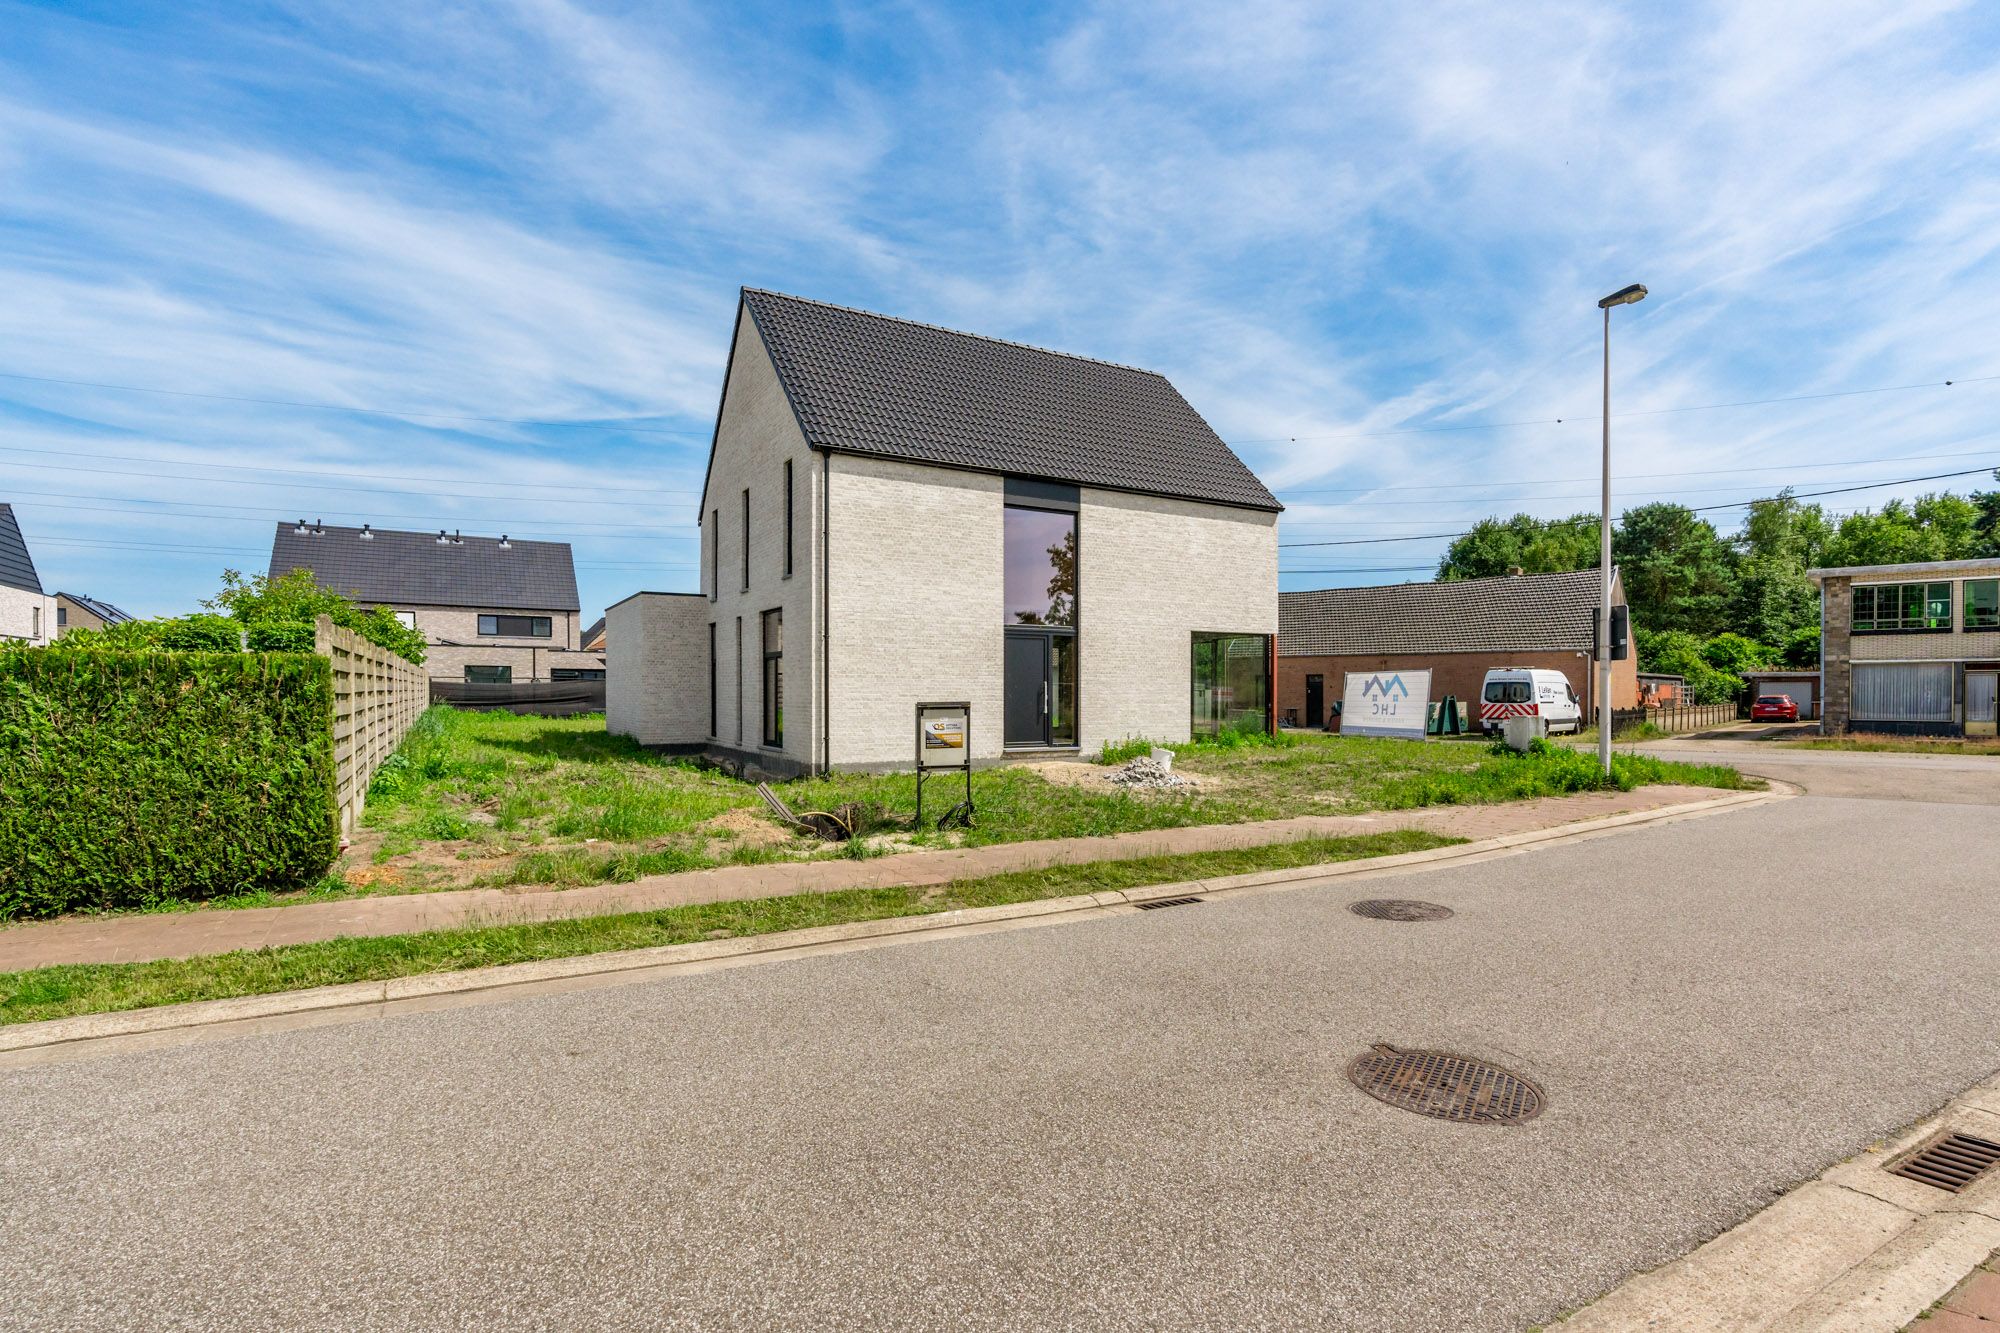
(1854, 1250)
(360, 1000)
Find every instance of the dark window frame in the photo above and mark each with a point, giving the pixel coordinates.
(546, 624)
(714, 687)
(1210, 726)
(773, 681)
(576, 673)
(1076, 562)
(1988, 615)
(504, 675)
(746, 539)
(1901, 620)
(789, 520)
(714, 554)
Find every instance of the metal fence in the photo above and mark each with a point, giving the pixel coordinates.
(377, 698)
(542, 698)
(1683, 718)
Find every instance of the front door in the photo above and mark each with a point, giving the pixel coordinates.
(1027, 689)
(1982, 694)
(1315, 701)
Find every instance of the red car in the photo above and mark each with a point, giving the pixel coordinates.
(1774, 708)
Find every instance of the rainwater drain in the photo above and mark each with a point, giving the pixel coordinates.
(1950, 1163)
(1446, 1087)
(1400, 909)
(1156, 904)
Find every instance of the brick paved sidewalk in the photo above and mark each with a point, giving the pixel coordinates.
(124, 939)
(1972, 1307)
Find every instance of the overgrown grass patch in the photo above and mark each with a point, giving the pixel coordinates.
(59, 992)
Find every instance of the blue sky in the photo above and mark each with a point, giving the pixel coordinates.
(1367, 246)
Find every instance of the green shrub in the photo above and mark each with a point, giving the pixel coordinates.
(183, 634)
(1230, 738)
(130, 779)
(283, 636)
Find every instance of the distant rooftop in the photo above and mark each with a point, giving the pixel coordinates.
(375, 565)
(104, 611)
(17, 567)
(1520, 613)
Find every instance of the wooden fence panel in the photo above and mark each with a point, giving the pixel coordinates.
(377, 698)
(1685, 718)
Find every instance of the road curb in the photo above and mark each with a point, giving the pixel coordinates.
(365, 999)
(1854, 1250)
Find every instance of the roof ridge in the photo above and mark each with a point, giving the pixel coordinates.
(959, 333)
(1446, 583)
(285, 523)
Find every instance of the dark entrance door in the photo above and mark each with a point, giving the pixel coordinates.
(1027, 689)
(1315, 701)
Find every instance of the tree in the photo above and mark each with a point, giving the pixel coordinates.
(293, 598)
(1800, 649)
(1678, 573)
(1498, 546)
(1932, 527)
(1781, 539)
(1676, 652)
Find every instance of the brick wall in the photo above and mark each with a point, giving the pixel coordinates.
(73, 615)
(1836, 655)
(756, 435)
(529, 657)
(918, 594)
(1152, 573)
(26, 616)
(656, 685)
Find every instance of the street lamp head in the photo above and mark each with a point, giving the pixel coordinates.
(1623, 296)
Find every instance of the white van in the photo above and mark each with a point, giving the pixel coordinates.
(1529, 692)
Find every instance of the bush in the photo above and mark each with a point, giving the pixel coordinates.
(282, 636)
(293, 598)
(185, 634)
(131, 779)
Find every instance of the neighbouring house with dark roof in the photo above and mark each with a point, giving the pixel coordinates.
(1458, 630)
(27, 614)
(896, 513)
(593, 638)
(75, 611)
(492, 609)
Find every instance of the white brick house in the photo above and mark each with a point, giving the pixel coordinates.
(896, 513)
(27, 614)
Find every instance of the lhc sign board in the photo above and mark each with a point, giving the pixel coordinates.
(1385, 703)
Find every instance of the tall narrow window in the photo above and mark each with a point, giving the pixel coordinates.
(1982, 604)
(788, 518)
(714, 554)
(774, 678)
(746, 541)
(739, 680)
(714, 718)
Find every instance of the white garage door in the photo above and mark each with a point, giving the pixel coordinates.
(1798, 691)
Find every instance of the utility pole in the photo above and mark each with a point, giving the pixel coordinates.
(1623, 296)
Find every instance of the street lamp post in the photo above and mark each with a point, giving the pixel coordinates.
(1623, 296)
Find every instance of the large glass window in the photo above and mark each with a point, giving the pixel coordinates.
(1232, 683)
(1040, 566)
(1982, 603)
(774, 678)
(1891, 608)
(515, 627)
(489, 675)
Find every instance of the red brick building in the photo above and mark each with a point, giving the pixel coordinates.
(1457, 630)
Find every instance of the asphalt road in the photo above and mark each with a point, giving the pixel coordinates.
(1139, 1121)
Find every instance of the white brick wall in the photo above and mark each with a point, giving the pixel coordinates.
(29, 617)
(656, 681)
(918, 593)
(531, 658)
(756, 435)
(1152, 573)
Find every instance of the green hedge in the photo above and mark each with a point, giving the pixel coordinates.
(132, 779)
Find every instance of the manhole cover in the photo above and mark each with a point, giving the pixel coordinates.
(1446, 1086)
(1400, 909)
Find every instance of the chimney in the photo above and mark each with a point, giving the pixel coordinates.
(366, 535)
(505, 545)
(319, 528)
(444, 538)
(301, 528)
(1515, 571)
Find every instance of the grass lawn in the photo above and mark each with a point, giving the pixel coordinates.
(58, 992)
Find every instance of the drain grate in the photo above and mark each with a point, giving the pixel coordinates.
(1446, 1086)
(1950, 1163)
(1157, 903)
(1400, 909)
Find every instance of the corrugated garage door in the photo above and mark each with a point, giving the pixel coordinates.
(1902, 692)
(1798, 691)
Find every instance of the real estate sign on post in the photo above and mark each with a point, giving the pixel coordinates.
(1385, 703)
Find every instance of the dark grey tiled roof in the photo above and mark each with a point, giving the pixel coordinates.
(104, 611)
(1525, 613)
(415, 569)
(873, 384)
(596, 628)
(17, 567)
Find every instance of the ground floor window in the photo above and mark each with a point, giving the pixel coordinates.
(576, 673)
(774, 678)
(489, 675)
(1231, 683)
(1902, 692)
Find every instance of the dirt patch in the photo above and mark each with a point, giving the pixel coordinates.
(745, 828)
(1097, 777)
